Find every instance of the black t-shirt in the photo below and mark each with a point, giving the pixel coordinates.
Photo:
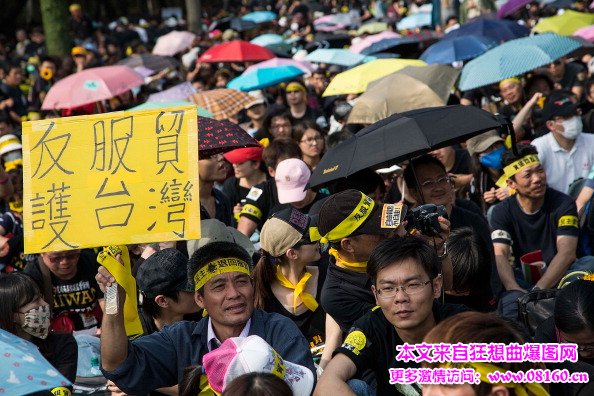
(462, 163)
(61, 351)
(261, 202)
(371, 345)
(309, 115)
(346, 295)
(526, 233)
(234, 191)
(575, 76)
(311, 324)
(20, 101)
(78, 297)
(13, 261)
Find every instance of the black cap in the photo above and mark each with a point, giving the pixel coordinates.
(559, 104)
(166, 271)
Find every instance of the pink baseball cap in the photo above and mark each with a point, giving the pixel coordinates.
(291, 176)
(242, 355)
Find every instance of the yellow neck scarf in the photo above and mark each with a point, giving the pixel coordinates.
(299, 290)
(357, 266)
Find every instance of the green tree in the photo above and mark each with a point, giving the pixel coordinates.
(54, 14)
(194, 11)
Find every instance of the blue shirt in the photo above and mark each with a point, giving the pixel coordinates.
(158, 360)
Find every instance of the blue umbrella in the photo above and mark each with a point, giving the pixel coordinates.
(260, 16)
(415, 21)
(23, 369)
(267, 39)
(264, 77)
(514, 58)
(499, 30)
(458, 49)
(406, 43)
(335, 56)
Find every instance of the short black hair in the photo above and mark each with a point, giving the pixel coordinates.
(471, 261)
(213, 251)
(395, 250)
(509, 157)
(151, 308)
(408, 174)
(574, 311)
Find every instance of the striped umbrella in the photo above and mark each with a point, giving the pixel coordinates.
(514, 58)
(223, 103)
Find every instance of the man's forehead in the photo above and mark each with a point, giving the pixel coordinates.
(401, 270)
(227, 276)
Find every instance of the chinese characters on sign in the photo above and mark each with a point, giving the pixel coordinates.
(115, 178)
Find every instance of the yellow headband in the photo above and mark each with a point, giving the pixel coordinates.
(348, 225)
(217, 267)
(512, 79)
(515, 167)
(295, 86)
(10, 165)
(520, 389)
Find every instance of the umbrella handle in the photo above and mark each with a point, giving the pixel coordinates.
(512, 133)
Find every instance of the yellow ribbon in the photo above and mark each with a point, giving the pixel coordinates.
(205, 389)
(358, 266)
(348, 225)
(515, 167)
(520, 389)
(123, 277)
(10, 165)
(299, 290)
(217, 267)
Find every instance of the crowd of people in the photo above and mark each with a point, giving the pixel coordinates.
(300, 290)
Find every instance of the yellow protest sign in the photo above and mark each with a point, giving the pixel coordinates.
(109, 179)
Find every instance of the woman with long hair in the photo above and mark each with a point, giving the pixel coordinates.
(24, 313)
(288, 281)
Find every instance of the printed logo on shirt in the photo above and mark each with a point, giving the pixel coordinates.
(501, 235)
(254, 193)
(252, 211)
(355, 342)
(568, 221)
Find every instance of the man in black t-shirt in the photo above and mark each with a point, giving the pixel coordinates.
(405, 281)
(536, 218)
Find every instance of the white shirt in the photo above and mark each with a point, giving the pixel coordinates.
(213, 341)
(563, 167)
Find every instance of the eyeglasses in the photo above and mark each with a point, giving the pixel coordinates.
(279, 126)
(316, 139)
(61, 257)
(409, 289)
(441, 182)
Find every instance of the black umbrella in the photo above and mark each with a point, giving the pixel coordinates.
(215, 137)
(150, 61)
(329, 40)
(403, 136)
(242, 25)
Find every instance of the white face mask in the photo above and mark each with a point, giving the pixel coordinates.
(37, 321)
(572, 127)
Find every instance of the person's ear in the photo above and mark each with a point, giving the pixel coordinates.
(374, 291)
(511, 183)
(346, 244)
(199, 299)
(499, 390)
(271, 171)
(550, 125)
(292, 254)
(162, 301)
(437, 285)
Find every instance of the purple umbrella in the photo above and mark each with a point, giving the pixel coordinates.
(511, 6)
(179, 92)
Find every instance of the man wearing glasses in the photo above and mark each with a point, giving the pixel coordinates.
(405, 281)
(67, 279)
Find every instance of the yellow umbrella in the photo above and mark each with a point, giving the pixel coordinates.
(565, 24)
(409, 89)
(355, 80)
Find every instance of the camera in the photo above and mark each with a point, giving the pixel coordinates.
(424, 219)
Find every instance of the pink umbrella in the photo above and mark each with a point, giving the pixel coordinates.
(369, 40)
(275, 62)
(173, 43)
(586, 33)
(91, 85)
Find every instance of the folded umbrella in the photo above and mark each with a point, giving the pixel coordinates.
(456, 49)
(275, 62)
(335, 56)
(216, 137)
(400, 137)
(356, 80)
(173, 42)
(260, 16)
(24, 370)
(150, 61)
(418, 87)
(264, 77)
(236, 51)
(90, 86)
(514, 58)
(565, 24)
(499, 30)
(223, 103)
